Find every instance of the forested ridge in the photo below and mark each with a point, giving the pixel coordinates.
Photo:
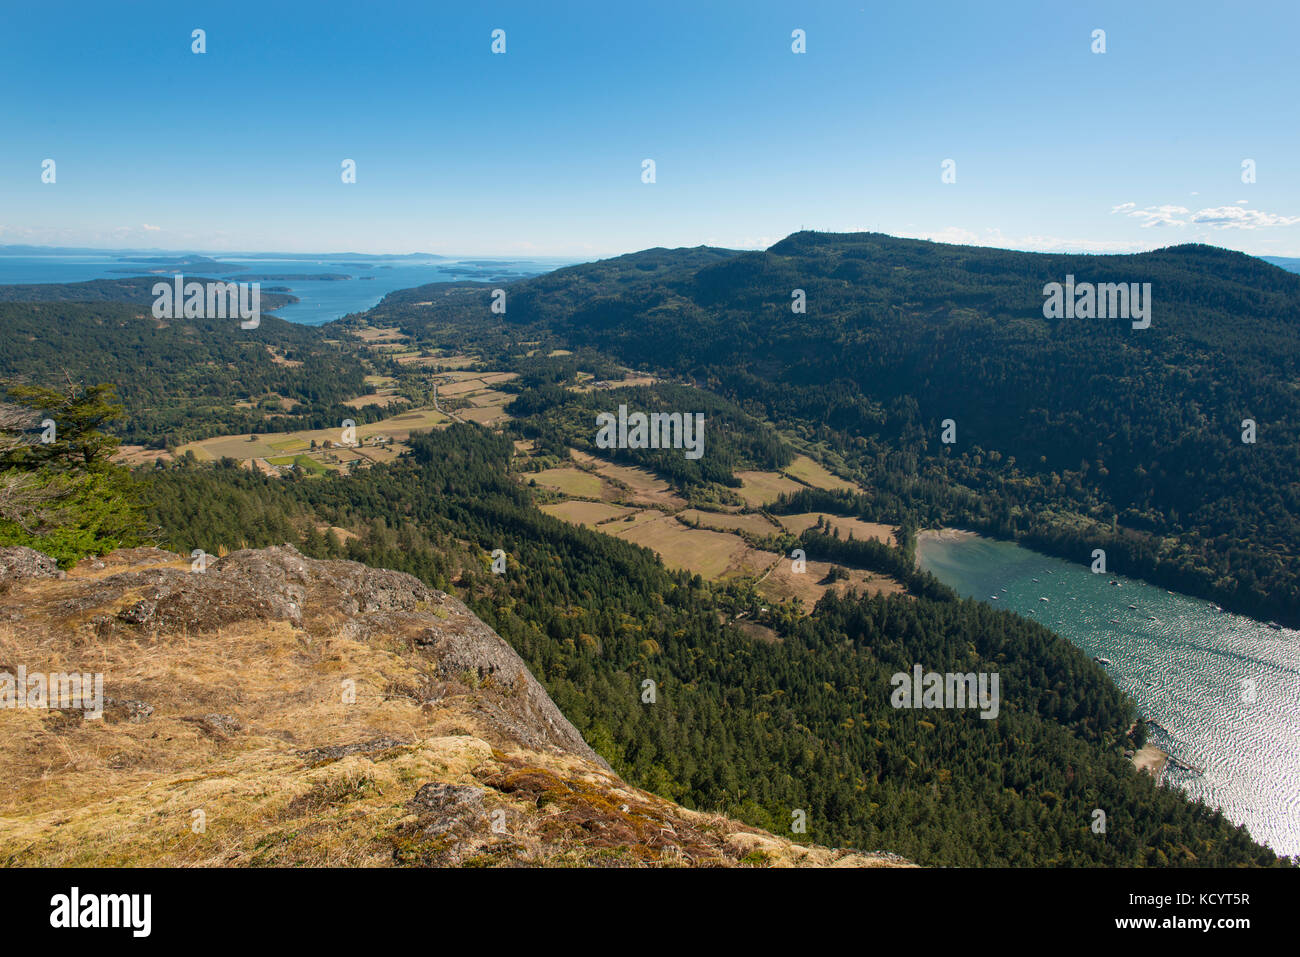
(1071, 434)
(184, 379)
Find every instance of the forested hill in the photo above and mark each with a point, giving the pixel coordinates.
(1072, 434)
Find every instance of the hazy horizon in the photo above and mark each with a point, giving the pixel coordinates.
(538, 150)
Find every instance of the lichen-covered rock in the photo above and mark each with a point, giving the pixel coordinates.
(18, 563)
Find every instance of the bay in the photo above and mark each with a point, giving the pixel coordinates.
(1189, 667)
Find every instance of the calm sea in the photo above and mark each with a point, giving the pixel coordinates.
(1180, 659)
(321, 301)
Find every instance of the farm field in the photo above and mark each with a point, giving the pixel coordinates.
(274, 444)
(714, 555)
(764, 488)
(815, 474)
(570, 481)
(590, 514)
(784, 584)
(860, 530)
(753, 523)
(644, 487)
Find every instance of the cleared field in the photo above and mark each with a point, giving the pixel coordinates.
(861, 530)
(807, 470)
(589, 514)
(377, 334)
(783, 583)
(273, 444)
(490, 397)
(462, 386)
(570, 481)
(485, 415)
(592, 386)
(763, 488)
(376, 398)
(637, 518)
(643, 486)
(754, 524)
(715, 555)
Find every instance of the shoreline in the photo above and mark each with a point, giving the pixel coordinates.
(939, 535)
(1151, 760)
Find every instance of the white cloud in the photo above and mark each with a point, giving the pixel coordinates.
(1235, 217)
(1216, 217)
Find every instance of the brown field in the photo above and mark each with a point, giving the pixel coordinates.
(487, 415)
(763, 488)
(463, 386)
(273, 444)
(590, 386)
(589, 514)
(570, 481)
(715, 555)
(384, 399)
(784, 584)
(861, 530)
(729, 521)
(132, 455)
(490, 397)
(644, 487)
(758, 632)
(638, 517)
(814, 474)
(377, 334)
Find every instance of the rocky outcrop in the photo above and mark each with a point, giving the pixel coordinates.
(274, 709)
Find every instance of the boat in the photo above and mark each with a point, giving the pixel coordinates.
(1034, 579)
(993, 597)
(1133, 606)
(1275, 626)
(1115, 621)
(1100, 660)
(1152, 618)
(1042, 599)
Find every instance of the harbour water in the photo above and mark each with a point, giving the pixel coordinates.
(1223, 689)
(367, 280)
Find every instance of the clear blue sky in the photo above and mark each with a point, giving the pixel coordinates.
(538, 151)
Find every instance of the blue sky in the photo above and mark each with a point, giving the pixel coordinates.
(539, 151)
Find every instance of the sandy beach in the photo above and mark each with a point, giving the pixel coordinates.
(940, 535)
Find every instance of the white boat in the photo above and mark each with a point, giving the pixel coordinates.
(1101, 660)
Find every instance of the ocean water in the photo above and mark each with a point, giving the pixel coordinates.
(1184, 663)
(321, 301)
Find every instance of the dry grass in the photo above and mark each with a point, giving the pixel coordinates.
(815, 474)
(861, 530)
(763, 488)
(249, 727)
